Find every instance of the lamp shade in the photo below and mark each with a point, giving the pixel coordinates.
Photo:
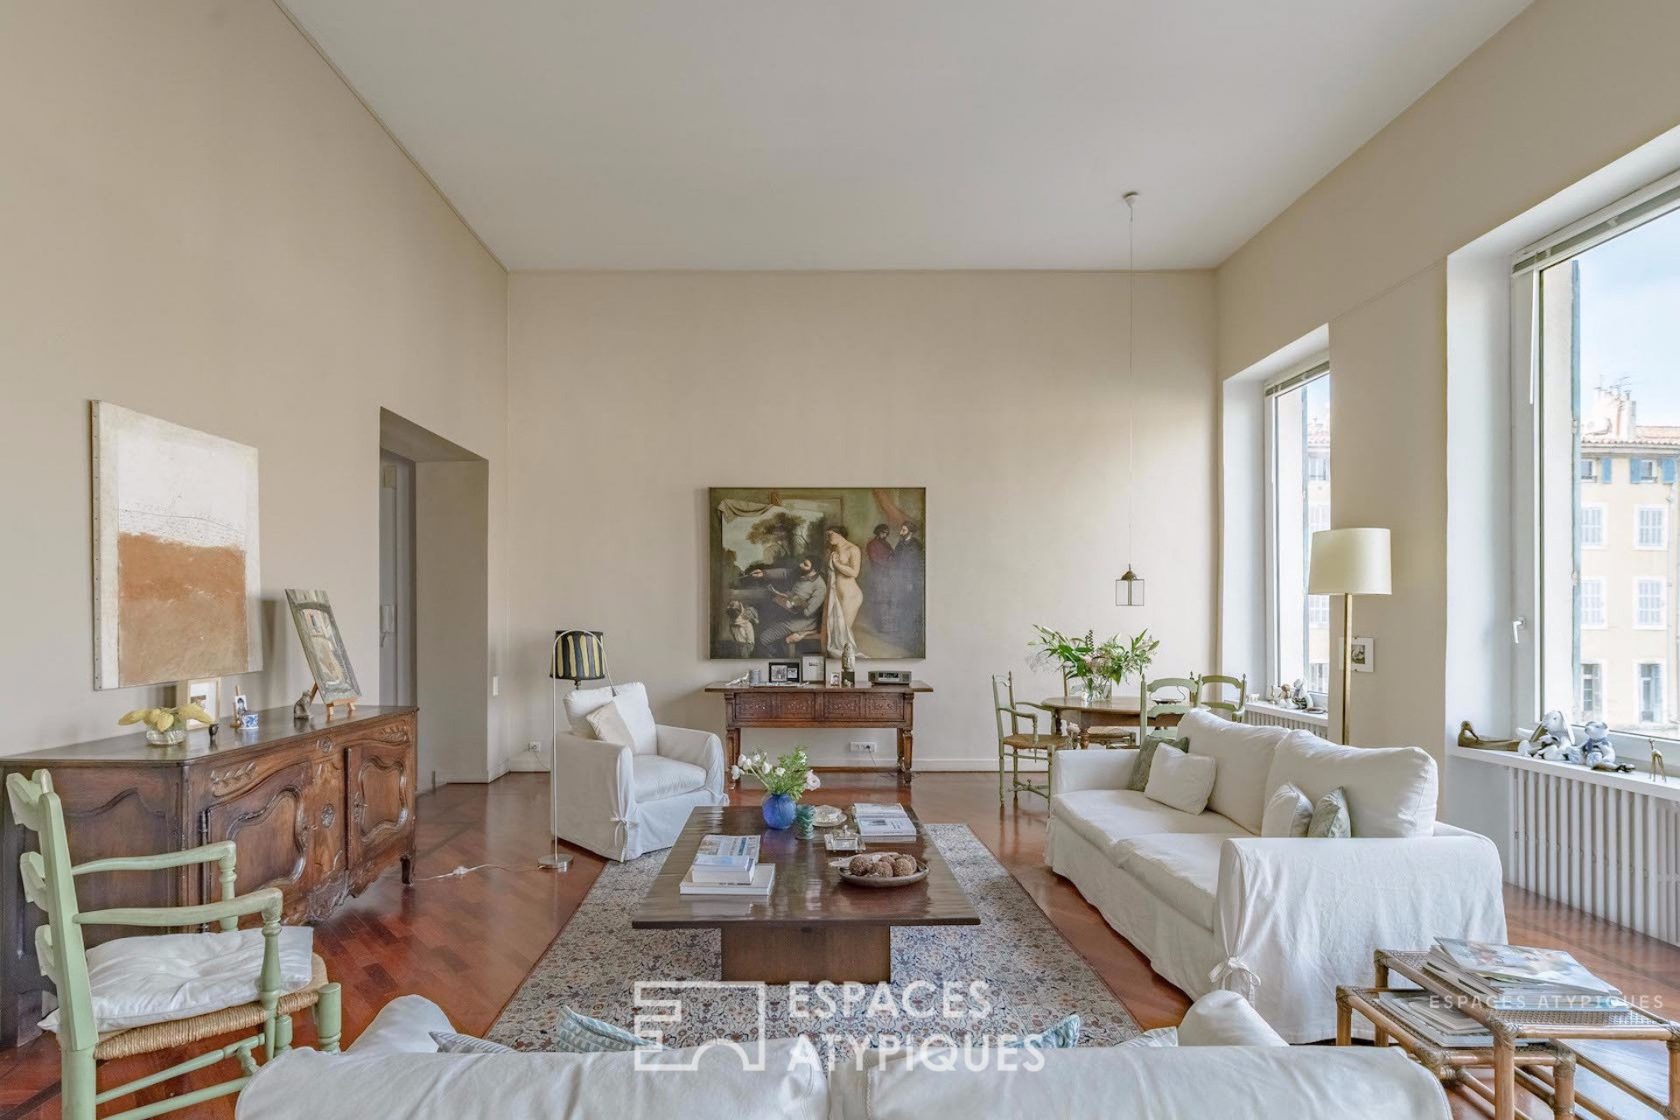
(1350, 562)
(579, 655)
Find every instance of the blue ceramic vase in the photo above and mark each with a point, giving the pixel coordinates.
(779, 810)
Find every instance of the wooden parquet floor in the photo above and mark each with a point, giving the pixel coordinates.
(468, 942)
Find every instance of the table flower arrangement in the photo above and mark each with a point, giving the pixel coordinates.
(1100, 666)
(166, 726)
(785, 780)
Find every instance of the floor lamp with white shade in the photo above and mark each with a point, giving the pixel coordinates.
(1349, 562)
(578, 656)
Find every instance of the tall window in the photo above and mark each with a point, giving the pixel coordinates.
(1590, 698)
(1653, 527)
(1591, 524)
(1298, 499)
(1597, 402)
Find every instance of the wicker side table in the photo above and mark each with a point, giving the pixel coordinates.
(1530, 1049)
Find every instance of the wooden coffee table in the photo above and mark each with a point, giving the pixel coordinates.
(813, 926)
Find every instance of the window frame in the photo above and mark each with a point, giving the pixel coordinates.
(1639, 585)
(1597, 710)
(1661, 667)
(1544, 667)
(1297, 376)
(1603, 523)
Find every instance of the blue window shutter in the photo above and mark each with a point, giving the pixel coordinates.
(1607, 473)
(1668, 472)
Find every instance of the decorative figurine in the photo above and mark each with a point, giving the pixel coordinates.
(1552, 740)
(1467, 737)
(1597, 750)
(1298, 695)
(1659, 769)
(300, 710)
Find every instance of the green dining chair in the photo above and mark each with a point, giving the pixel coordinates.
(49, 881)
(1164, 696)
(1013, 743)
(1213, 700)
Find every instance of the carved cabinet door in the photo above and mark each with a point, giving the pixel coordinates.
(380, 779)
(263, 805)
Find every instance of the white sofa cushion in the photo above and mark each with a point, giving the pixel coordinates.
(1391, 791)
(1182, 871)
(607, 725)
(403, 1026)
(1105, 817)
(1225, 1019)
(1288, 812)
(633, 707)
(164, 977)
(1181, 781)
(654, 777)
(1245, 758)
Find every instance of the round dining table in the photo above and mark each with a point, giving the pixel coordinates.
(1082, 714)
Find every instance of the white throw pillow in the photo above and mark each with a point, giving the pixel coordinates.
(1244, 755)
(633, 708)
(1181, 781)
(609, 726)
(1288, 813)
(1390, 791)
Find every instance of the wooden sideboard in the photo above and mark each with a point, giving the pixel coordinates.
(318, 809)
(816, 705)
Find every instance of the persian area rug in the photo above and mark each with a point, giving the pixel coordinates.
(1011, 975)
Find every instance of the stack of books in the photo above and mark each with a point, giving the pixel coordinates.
(728, 865)
(883, 821)
(1517, 978)
(1433, 1019)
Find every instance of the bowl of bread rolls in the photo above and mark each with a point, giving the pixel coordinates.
(883, 869)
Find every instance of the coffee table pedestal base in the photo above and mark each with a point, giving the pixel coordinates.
(782, 954)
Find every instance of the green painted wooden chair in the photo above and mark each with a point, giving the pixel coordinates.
(1164, 696)
(1013, 743)
(1213, 698)
(49, 881)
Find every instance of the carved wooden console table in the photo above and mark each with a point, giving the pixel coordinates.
(815, 705)
(319, 809)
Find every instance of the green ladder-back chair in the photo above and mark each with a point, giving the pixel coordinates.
(1013, 743)
(1164, 696)
(49, 881)
(1211, 698)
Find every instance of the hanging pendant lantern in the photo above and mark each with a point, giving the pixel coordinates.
(1128, 589)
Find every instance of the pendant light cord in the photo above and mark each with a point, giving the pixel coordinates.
(1131, 336)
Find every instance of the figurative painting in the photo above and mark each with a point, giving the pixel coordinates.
(323, 645)
(175, 552)
(818, 571)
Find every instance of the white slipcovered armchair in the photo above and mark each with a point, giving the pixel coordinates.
(623, 785)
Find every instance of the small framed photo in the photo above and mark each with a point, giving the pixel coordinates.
(1362, 655)
(784, 672)
(755, 676)
(834, 678)
(207, 694)
(811, 668)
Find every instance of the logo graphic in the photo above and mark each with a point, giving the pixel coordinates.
(738, 1008)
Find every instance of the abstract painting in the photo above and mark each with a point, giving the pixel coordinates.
(818, 571)
(175, 551)
(323, 645)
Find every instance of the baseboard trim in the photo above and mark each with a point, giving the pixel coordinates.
(966, 766)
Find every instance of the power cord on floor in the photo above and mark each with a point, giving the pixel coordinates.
(464, 870)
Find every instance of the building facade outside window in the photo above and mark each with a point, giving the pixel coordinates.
(1590, 696)
(1298, 505)
(1652, 531)
(1592, 525)
(1648, 598)
(1651, 699)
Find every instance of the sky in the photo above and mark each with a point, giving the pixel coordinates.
(1630, 316)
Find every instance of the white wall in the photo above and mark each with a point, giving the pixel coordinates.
(630, 394)
(1564, 89)
(200, 221)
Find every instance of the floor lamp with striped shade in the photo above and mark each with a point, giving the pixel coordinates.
(578, 656)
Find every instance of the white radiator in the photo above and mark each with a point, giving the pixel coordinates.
(1607, 849)
(1274, 715)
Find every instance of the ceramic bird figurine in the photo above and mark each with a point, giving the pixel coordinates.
(1467, 737)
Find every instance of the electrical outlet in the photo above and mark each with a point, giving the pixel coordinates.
(533, 746)
(861, 748)
(495, 686)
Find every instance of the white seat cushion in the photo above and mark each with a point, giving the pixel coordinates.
(158, 979)
(1182, 871)
(655, 777)
(1105, 817)
(632, 702)
(1391, 791)
(1245, 758)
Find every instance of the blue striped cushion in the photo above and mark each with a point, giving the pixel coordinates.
(577, 1033)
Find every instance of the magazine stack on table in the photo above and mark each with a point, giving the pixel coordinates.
(1517, 978)
(1434, 1019)
(728, 865)
(883, 821)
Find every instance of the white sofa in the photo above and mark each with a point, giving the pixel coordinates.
(621, 801)
(1227, 1064)
(1280, 920)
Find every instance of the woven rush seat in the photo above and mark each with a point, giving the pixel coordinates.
(1032, 741)
(181, 1032)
